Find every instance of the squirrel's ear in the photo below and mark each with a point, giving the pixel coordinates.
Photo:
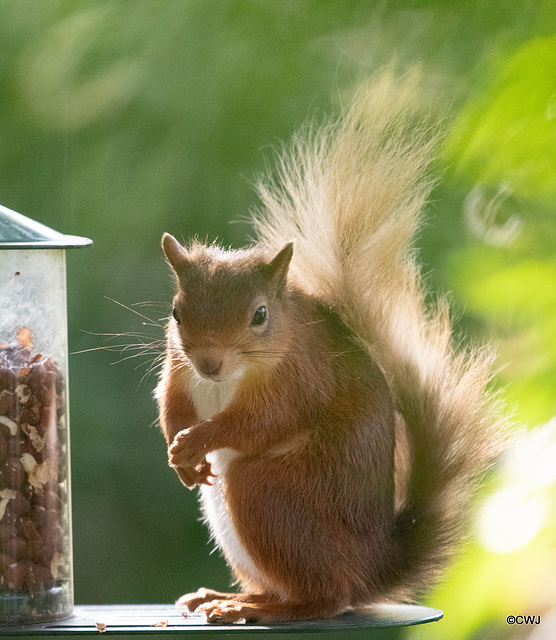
(175, 253)
(277, 269)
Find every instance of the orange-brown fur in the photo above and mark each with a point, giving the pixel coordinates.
(355, 426)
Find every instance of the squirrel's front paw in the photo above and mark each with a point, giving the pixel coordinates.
(188, 448)
(186, 455)
(193, 476)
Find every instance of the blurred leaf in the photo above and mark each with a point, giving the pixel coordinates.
(503, 151)
(527, 290)
(508, 131)
(58, 88)
(518, 303)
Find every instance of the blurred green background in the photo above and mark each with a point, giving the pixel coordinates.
(122, 119)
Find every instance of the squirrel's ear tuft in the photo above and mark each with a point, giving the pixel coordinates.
(175, 253)
(277, 269)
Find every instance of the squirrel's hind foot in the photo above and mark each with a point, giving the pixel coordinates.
(259, 608)
(192, 601)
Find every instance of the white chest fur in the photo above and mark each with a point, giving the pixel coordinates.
(210, 398)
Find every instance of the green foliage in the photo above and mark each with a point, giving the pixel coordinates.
(504, 142)
(508, 130)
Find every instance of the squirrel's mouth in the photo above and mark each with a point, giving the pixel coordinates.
(209, 365)
(217, 374)
(211, 377)
(215, 365)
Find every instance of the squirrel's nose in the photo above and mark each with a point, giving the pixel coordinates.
(209, 366)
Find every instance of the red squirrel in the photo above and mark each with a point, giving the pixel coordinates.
(310, 391)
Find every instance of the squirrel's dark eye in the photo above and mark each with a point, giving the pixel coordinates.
(175, 314)
(259, 317)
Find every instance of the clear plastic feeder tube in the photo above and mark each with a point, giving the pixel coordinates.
(35, 519)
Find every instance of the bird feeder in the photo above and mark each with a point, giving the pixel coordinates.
(36, 582)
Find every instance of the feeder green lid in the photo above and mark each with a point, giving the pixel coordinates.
(19, 232)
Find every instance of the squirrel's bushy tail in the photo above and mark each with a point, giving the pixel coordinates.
(351, 193)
